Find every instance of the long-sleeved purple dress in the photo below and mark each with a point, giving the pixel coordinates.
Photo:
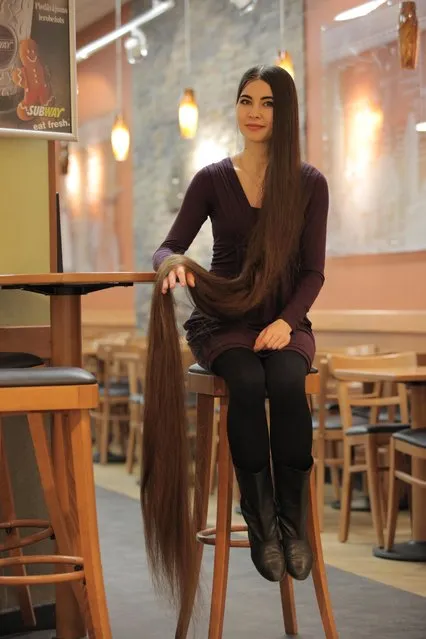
(216, 192)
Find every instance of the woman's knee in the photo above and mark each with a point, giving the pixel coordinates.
(243, 373)
(286, 377)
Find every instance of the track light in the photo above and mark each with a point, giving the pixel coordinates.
(136, 46)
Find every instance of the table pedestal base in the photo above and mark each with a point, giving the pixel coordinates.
(405, 551)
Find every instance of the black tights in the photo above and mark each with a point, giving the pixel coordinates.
(248, 376)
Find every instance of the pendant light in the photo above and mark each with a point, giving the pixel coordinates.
(421, 124)
(120, 134)
(408, 35)
(284, 59)
(188, 108)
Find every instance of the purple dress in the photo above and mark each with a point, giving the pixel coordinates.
(216, 192)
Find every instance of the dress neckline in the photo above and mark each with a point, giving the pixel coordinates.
(240, 186)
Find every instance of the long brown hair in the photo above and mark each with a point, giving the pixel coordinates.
(168, 519)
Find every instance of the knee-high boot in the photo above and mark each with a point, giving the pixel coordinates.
(292, 499)
(258, 509)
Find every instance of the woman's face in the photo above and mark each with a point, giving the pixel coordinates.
(255, 111)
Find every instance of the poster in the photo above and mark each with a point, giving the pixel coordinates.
(37, 69)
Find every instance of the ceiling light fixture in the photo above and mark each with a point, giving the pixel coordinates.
(284, 60)
(136, 46)
(158, 8)
(120, 134)
(360, 11)
(188, 108)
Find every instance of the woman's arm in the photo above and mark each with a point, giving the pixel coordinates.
(312, 254)
(195, 209)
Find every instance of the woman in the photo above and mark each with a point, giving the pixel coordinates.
(268, 213)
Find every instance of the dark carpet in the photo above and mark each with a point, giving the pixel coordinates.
(363, 608)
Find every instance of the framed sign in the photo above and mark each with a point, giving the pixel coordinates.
(38, 69)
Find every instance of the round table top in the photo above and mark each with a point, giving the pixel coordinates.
(58, 279)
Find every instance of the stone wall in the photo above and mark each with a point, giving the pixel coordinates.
(223, 45)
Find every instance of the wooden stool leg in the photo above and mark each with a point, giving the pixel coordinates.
(319, 575)
(288, 606)
(393, 502)
(223, 528)
(203, 455)
(8, 513)
(345, 504)
(374, 489)
(57, 520)
(86, 507)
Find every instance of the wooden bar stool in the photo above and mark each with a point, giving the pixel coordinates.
(208, 387)
(69, 392)
(7, 504)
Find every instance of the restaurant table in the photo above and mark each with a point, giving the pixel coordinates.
(415, 379)
(65, 291)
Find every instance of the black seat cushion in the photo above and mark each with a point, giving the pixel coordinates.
(199, 370)
(116, 389)
(373, 429)
(19, 360)
(333, 422)
(415, 437)
(54, 376)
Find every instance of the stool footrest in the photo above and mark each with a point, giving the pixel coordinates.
(208, 536)
(55, 578)
(28, 540)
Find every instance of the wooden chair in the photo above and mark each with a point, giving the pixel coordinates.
(405, 442)
(327, 433)
(208, 387)
(370, 437)
(133, 358)
(113, 408)
(68, 393)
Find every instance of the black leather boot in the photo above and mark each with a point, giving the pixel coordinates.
(292, 498)
(258, 509)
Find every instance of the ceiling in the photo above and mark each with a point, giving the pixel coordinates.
(89, 11)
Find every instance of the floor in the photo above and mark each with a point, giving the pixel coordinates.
(355, 556)
(361, 607)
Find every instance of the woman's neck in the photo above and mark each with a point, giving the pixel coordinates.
(254, 157)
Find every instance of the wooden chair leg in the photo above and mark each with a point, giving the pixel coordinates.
(8, 513)
(320, 479)
(86, 510)
(334, 471)
(393, 502)
(203, 455)
(319, 575)
(374, 488)
(345, 503)
(105, 432)
(288, 605)
(223, 528)
(131, 449)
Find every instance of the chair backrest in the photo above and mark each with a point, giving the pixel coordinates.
(371, 400)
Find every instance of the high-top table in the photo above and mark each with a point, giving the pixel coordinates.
(415, 379)
(65, 291)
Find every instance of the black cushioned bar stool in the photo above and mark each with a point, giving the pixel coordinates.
(8, 521)
(70, 392)
(208, 387)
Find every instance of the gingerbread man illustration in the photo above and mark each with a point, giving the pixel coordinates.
(33, 78)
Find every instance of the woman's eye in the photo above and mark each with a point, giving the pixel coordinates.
(269, 103)
(244, 101)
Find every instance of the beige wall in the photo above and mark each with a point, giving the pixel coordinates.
(24, 248)
(393, 281)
